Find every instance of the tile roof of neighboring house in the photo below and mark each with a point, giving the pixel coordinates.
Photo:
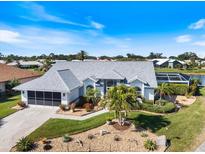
(8, 73)
(65, 76)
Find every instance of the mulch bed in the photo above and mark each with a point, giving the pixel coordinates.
(117, 126)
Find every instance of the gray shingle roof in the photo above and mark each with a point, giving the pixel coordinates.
(142, 70)
(52, 81)
(65, 76)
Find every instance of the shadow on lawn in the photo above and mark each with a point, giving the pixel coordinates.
(151, 122)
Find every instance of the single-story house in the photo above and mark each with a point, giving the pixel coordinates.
(8, 73)
(65, 82)
(26, 64)
(169, 63)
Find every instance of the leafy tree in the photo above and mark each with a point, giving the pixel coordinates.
(11, 84)
(188, 55)
(120, 98)
(82, 55)
(153, 55)
(93, 95)
(163, 89)
(46, 65)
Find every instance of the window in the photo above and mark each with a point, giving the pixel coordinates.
(31, 94)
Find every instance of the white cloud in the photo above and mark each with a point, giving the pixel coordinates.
(183, 38)
(199, 43)
(8, 36)
(97, 25)
(198, 25)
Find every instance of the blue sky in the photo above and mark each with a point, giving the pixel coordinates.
(102, 28)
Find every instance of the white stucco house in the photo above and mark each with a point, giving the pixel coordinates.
(65, 82)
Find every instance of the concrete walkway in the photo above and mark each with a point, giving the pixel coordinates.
(71, 117)
(201, 148)
(22, 123)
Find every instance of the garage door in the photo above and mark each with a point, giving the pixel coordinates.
(44, 98)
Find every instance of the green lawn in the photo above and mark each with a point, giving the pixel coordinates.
(180, 128)
(186, 71)
(6, 104)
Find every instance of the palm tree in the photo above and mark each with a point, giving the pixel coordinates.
(193, 87)
(46, 65)
(163, 90)
(120, 98)
(82, 55)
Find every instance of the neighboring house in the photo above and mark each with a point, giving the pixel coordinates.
(26, 64)
(8, 73)
(169, 63)
(65, 82)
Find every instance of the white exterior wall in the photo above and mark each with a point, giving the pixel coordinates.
(24, 97)
(2, 87)
(139, 84)
(64, 98)
(149, 93)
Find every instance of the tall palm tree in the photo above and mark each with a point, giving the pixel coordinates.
(163, 90)
(120, 98)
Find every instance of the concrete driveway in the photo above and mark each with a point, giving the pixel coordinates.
(21, 124)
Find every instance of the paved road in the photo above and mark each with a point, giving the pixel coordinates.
(201, 148)
(21, 124)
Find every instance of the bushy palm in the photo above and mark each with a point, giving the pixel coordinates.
(120, 98)
(193, 87)
(93, 95)
(163, 90)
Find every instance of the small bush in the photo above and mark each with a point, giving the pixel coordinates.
(47, 147)
(67, 138)
(63, 107)
(116, 138)
(88, 107)
(24, 144)
(150, 145)
(91, 136)
(161, 102)
(144, 135)
(168, 107)
(179, 89)
(21, 104)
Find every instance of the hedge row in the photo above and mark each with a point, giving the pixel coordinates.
(179, 89)
(167, 107)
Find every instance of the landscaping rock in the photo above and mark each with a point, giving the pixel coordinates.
(103, 132)
(161, 140)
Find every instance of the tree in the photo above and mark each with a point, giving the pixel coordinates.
(120, 98)
(11, 84)
(193, 87)
(163, 90)
(153, 55)
(82, 55)
(46, 64)
(188, 55)
(93, 95)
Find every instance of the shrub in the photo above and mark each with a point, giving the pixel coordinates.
(47, 147)
(67, 138)
(24, 144)
(116, 138)
(21, 104)
(144, 134)
(90, 136)
(150, 145)
(168, 107)
(63, 107)
(161, 102)
(179, 89)
(88, 107)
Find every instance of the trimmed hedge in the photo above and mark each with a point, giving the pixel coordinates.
(179, 89)
(165, 107)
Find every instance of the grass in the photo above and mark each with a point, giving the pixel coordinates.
(202, 91)
(58, 127)
(186, 71)
(6, 105)
(180, 128)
